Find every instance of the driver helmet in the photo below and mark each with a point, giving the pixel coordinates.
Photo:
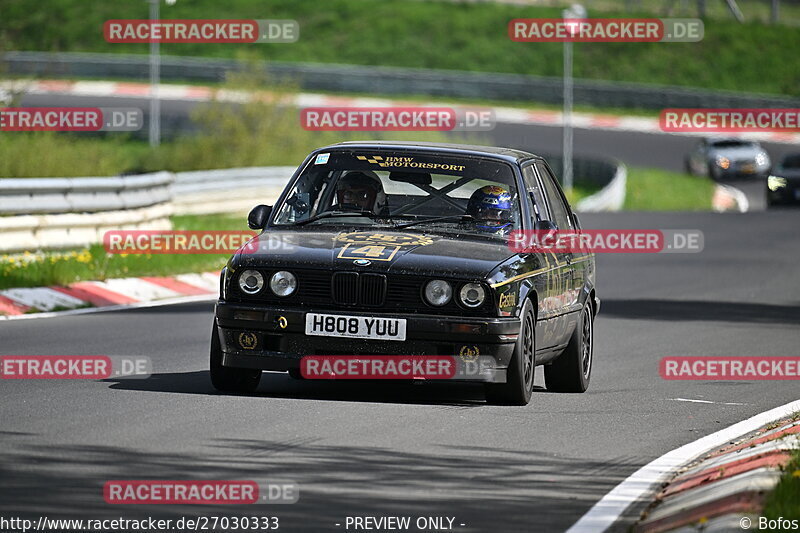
(360, 191)
(491, 207)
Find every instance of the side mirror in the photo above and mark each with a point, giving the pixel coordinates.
(257, 219)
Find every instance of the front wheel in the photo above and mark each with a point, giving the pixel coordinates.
(572, 370)
(228, 379)
(518, 387)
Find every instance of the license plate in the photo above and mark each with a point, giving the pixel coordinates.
(749, 169)
(356, 327)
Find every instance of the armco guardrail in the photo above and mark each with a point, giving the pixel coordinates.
(392, 80)
(228, 191)
(77, 195)
(57, 213)
(53, 213)
(609, 198)
(609, 175)
(230, 179)
(73, 230)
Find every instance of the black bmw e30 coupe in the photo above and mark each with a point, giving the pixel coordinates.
(403, 248)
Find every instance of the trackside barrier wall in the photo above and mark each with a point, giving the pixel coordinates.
(228, 191)
(53, 213)
(609, 198)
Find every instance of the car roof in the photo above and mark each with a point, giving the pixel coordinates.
(507, 154)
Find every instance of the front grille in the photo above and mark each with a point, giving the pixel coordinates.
(352, 288)
(326, 290)
(373, 289)
(345, 288)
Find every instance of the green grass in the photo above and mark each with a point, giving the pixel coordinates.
(31, 155)
(651, 189)
(750, 57)
(63, 268)
(753, 10)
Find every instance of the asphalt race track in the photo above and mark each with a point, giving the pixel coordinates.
(411, 450)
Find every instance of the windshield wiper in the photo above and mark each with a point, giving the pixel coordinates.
(338, 214)
(460, 218)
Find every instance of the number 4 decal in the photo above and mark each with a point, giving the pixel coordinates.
(369, 251)
(372, 251)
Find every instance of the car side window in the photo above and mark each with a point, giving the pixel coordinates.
(532, 186)
(558, 209)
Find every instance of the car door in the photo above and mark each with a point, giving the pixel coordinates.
(564, 281)
(549, 285)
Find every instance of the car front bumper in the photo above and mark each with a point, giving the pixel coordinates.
(281, 342)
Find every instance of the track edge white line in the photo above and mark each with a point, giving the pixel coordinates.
(613, 505)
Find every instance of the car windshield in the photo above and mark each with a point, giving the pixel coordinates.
(732, 143)
(433, 192)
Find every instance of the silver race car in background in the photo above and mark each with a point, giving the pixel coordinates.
(722, 157)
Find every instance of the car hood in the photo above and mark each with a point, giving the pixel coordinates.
(462, 256)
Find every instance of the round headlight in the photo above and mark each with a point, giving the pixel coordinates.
(438, 292)
(762, 159)
(472, 295)
(283, 283)
(723, 162)
(251, 281)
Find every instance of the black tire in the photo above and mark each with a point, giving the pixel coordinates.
(518, 387)
(228, 379)
(572, 370)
